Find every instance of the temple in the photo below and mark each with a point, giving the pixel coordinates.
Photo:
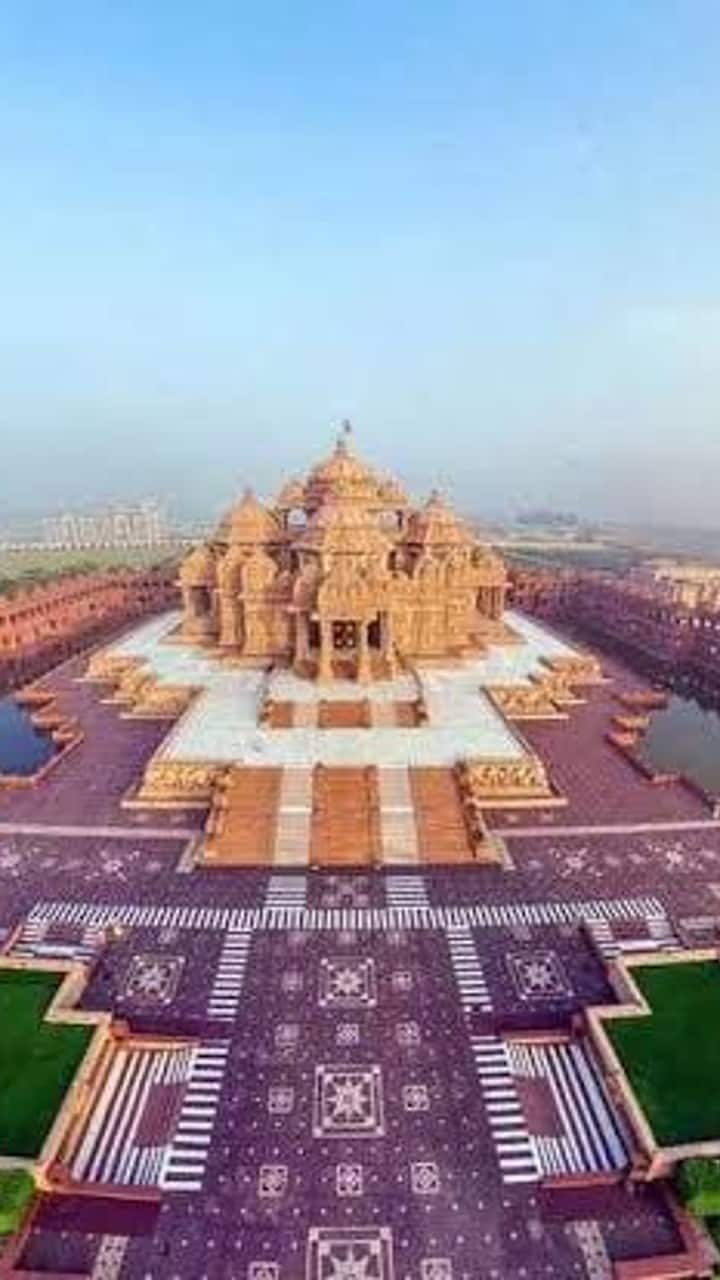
(342, 577)
(345, 933)
(344, 681)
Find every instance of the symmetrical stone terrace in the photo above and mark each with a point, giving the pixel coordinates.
(452, 717)
(372, 1088)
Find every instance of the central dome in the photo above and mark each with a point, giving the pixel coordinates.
(342, 476)
(343, 527)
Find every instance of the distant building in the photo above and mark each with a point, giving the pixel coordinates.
(141, 525)
(695, 585)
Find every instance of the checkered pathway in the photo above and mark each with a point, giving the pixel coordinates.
(591, 1138)
(406, 892)
(468, 971)
(185, 1160)
(514, 1146)
(227, 987)
(401, 913)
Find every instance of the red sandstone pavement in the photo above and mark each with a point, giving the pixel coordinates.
(88, 785)
(281, 1189)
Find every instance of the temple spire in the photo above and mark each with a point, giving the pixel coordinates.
(343, 440)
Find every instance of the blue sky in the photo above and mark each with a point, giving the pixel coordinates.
(487, 233)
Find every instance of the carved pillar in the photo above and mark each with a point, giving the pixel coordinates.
(302, 640)
(364, 672)
(228, 620)
(387, 645)
(325, 670)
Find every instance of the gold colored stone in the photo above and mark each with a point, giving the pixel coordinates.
(166, 780)
(341, 576)
(487, 781)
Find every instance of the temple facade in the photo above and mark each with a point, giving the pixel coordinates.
(342, 577)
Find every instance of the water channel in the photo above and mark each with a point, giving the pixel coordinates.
(23, 748)
(685, 738)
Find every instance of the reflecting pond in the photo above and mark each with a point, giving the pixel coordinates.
(23, 748)
(685, 738)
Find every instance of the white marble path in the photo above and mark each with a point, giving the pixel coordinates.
(221, 725)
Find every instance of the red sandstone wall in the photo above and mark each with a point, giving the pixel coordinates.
(638, 621)
(41, 626)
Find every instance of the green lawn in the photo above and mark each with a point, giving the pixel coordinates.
(673, 1056)
(21, 569)
(37, 1060)
(16, 1192)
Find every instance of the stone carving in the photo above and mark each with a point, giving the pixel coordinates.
(168, 780)
(342, 573)
(484, 781)
(523, 702)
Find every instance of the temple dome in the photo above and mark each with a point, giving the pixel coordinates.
(437, 525)
(391, 493)
(249, 522)
(342, 528)
(291, 495)
(198, 568)
(342, 475)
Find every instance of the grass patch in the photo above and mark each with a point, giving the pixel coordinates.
(672, 1057)
(16, 1191)
(38, 1060)
(33, 567)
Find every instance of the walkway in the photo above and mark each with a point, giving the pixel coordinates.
(514, 1146)
(589, 1138)
(606, 829)
(185, 1160)
(502, 916)
(98, 833)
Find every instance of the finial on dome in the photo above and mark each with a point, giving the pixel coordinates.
(343, 439)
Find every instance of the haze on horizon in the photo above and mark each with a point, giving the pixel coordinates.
(487, 234)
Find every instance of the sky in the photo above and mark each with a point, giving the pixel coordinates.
(486, 233)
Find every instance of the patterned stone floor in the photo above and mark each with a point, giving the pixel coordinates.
(352, 1134)
(351, 1124)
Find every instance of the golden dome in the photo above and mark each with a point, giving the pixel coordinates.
(343, 528)
(437, 525)
(198, 568)
(250, 522)
(342, 475)
(391, 493)
(291, 495)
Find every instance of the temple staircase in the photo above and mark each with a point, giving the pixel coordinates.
(589, 1137)
(124, 1136)
(241, 825)
(345, 826)
(441, 827)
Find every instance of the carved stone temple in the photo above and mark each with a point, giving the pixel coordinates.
(341, 576)
(343, 684)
